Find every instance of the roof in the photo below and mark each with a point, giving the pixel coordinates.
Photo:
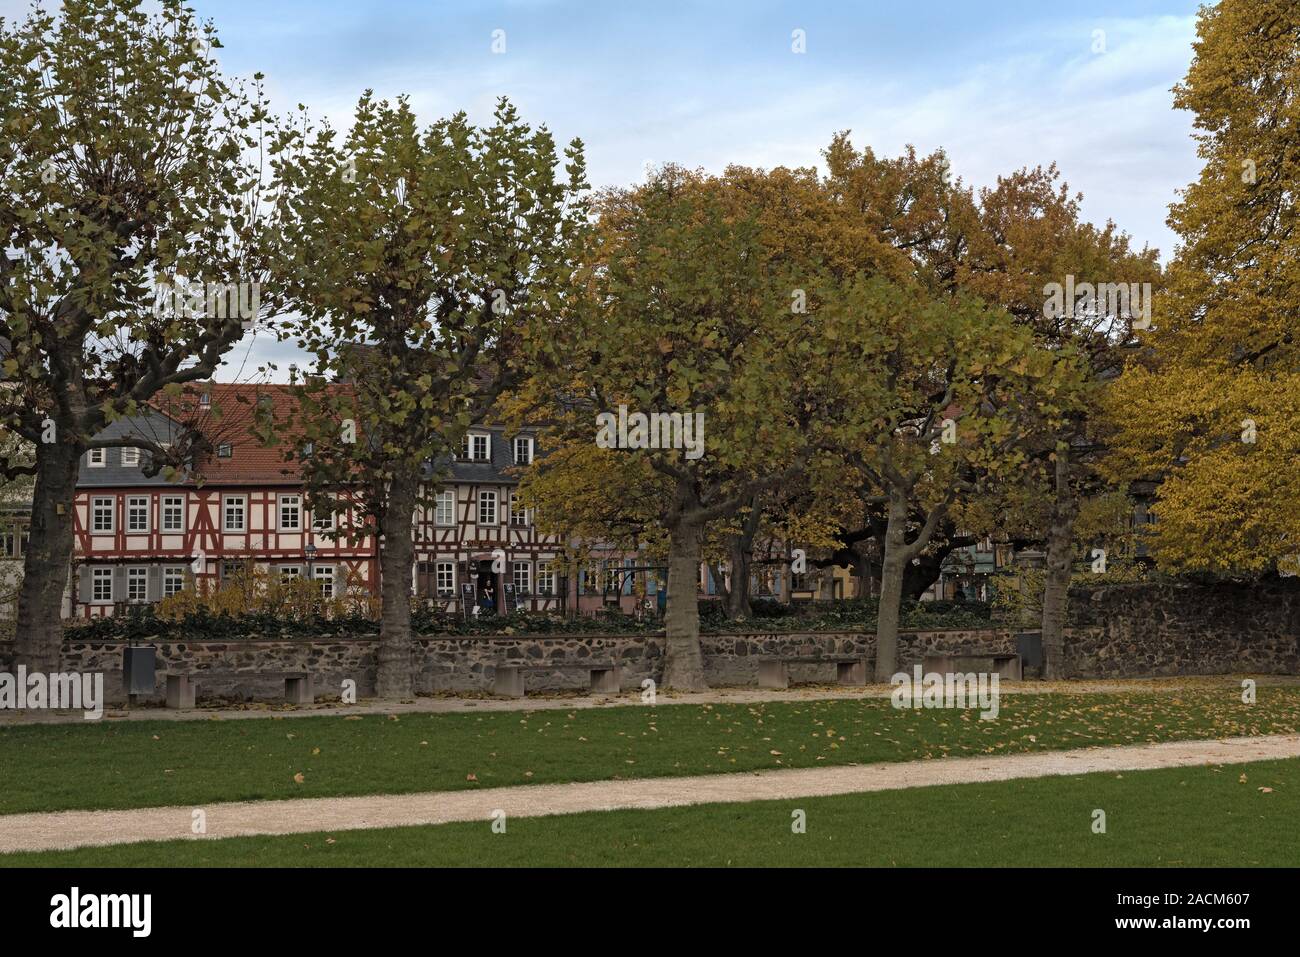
(228, 415)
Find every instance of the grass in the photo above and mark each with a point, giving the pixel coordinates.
(108, 765)
(1185, 817)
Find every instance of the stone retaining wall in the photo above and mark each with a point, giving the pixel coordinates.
(466, 663)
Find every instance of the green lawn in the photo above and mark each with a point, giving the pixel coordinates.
(150, 763)
(1197, 816)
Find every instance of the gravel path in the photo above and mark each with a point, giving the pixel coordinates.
(38, 832)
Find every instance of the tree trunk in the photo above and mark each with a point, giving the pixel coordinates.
(891, 588)
(1056, 578)
(741, 555)
(393, 679)
(683, 660)
(39, 635)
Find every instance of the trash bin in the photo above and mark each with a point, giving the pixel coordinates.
(1029, 645)
(139, 669)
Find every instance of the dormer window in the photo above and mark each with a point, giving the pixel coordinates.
(225, 450)
(131, 458)
(96, 458)
(205, 400)
(477, 448)
(523, 450)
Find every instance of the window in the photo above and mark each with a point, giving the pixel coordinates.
(546, 578)
(225, 450)
(612, 580)
(205, 400)
(137, 513)
(446, 578)
(235, 513)
(290, 571)
(130, 458)
(523, 577)
(523, 449)
(96, 458)
(173, 513)
(445, 513)
(325, 522)
(101, 584)
(324, 574)
(518, 514)
(101, 510)
(231, 569)
(173, 580)
(487, 507)
(137, 584)
(477, 448)
(290, 513)
(308, 449)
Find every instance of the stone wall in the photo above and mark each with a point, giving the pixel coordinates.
(1142, 630)
(465, 664)
(1155, 629)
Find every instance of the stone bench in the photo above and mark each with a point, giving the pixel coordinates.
(1004, 664)
(606, 677)
(299, 687)
(774, 670)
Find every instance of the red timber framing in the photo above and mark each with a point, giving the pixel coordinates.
(162, 528)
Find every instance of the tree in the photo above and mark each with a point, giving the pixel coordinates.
(1082, 290)
(125, 180)
(1210, 407)
(686, 318)
(430, 269)
(944, 397)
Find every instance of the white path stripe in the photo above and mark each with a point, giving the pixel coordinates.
(65, 829)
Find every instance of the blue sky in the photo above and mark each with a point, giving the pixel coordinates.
(999, 84)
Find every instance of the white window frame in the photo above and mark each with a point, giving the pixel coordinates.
(130, 458)
(469, 448)
(173, 574)
(133, 505)
(286, 572)
(95, 502)
(524, 582)
(98, 575)
(226, 502)
(450, 589)
(546, 578)
(325, 524)
(326, 580)
(525, 514)
(97, 458)
(172, 503)
(446, 497)
(137, 575)
(293, 501)
(527, 441)
(486, 495)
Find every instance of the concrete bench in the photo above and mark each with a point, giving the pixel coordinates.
(606, 677)
(299, 687)
(1004, 664)
(774, 670)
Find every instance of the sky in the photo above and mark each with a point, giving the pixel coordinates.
(998, 84)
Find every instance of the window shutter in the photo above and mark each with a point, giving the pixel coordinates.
(627, 577)
(153, 584)
(119, 583)
(83, 583)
